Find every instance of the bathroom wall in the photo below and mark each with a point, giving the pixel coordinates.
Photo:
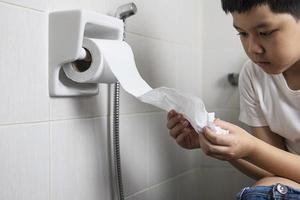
(56, 148)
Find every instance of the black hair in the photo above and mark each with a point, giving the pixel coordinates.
(277, 6)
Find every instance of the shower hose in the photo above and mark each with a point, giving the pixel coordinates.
(119, 193)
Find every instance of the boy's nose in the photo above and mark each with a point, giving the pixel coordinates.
(254, 47)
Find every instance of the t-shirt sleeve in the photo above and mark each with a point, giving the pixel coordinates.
(250, 110)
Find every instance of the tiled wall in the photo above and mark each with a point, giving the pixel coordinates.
(24, 104)
(56, 148)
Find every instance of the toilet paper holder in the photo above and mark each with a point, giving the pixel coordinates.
(66, 32)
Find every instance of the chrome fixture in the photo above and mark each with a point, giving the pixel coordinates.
(233, 79)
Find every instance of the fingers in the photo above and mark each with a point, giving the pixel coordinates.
(176, 123)
(171, 114)
(188, 139)
(181, 138)
(215, 151)
(224, 125)
(178, 129)
(216, 139)
(172, 121)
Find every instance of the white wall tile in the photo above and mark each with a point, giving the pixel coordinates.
(80, 107)
(217, 92)
(163, 150)
(212, 162)
(79, 160)
(149, 154)
(174, 21)
(134, 140)
(23, 65)
(140, 196)
(230, 115)
(221, 183)
(24, 169)
(201, 183)
(166, 158)
(189, 185)
(189, 70)
(218, 32)
(93, 5)
(155, 59)
(164, 191)
(34, 4)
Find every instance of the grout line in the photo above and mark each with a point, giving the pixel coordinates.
(21, 6)
(50, 147)
(23, 123)
(75, 118)
(142, 113)
(178, 176)
(163, 182)
(50, 162)
(216, 167)
(163, 40)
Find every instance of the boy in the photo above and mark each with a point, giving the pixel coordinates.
(269, 101)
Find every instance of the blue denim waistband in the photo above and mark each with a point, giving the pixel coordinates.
(273, 192)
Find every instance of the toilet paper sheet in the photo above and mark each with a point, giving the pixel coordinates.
(111, 58)
(191, 107)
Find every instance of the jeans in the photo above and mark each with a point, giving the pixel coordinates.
(273, 192)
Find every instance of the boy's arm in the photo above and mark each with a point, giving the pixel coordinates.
(239, 144)
(275, 160)
(251, 170)
(265, 134)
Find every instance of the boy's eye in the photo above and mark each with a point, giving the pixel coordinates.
(267, 33)
(242, 34)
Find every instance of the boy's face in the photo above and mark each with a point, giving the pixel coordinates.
(271, 40)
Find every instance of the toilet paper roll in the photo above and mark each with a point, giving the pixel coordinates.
(111, 60)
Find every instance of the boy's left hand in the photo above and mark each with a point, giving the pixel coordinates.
(235, 145)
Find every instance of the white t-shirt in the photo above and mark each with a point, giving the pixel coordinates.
(266, 100)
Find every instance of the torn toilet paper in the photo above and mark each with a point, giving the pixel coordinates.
(191, 107)
(112, 58)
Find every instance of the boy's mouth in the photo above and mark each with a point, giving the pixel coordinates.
(262, 63)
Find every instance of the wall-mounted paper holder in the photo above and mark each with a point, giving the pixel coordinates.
(66, 32)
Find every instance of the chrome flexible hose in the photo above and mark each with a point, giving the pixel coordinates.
(116, 142)
(123, 12)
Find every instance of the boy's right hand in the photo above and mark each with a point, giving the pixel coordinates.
(182, 131)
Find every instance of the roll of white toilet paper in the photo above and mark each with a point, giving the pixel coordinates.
(113, 60)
